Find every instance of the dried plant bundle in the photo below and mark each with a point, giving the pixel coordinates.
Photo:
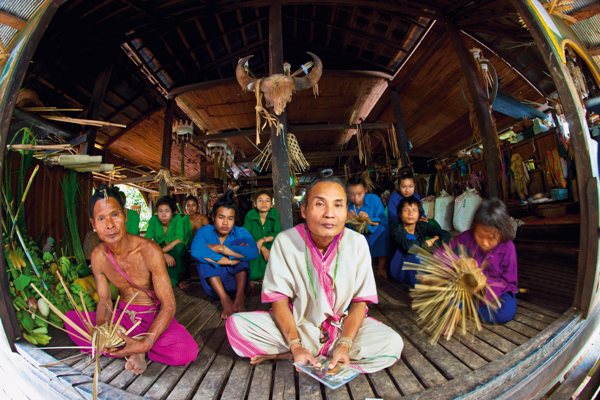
(451, 287)
(101, 338)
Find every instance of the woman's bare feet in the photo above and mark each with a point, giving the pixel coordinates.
(239, 305)
(227, 308)
(382, 273)
(136, 363)
(283, 356)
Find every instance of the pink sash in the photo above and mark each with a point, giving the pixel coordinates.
(113, 261)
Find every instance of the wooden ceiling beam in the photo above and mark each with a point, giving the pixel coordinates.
(240, 19)
(292, 128)
(416, 9)
(330, 26)
(223, 33)
(186, 44)
(12, 21)
(373, 38)
(594, 51)
(586, 12)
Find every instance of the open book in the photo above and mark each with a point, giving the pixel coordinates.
(332, 378)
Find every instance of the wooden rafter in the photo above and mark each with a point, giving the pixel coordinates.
(12, 21)
(594, 51)
(187, 46)
(586, 12)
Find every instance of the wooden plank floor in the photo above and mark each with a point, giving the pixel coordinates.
(219, 374)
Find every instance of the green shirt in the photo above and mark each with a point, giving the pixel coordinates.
(133, 222)
(272, 227)
(179, 228)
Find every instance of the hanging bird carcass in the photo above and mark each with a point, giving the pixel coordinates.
(278, 88)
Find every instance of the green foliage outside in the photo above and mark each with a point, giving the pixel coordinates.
(134, 200)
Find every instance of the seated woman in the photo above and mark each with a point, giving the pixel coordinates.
(363, 204)
(319, 281)
(173, 234)
(223, 251)
(411, 231)
(263, 224)
(489, 241)
(197, 219)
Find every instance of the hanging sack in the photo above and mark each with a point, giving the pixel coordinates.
(429, 206)
(465, 207)
(444, 208)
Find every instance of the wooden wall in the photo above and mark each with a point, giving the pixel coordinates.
(44, 207)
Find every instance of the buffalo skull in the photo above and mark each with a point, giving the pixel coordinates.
(278, 88)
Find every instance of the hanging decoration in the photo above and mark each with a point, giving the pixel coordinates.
(222, 156)
(364, 145)
(183, 131)
(277, 89)
(297, 161)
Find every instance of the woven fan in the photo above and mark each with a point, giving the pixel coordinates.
(297, 161)
(450, 289)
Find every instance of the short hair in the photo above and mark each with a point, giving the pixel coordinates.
(357, 180)
(225, 201)
(330, 179)
(122, 194)
(167, 201)
(261, 192)
(492, 213)
(104, 192)
(191, 198)
(411, 201)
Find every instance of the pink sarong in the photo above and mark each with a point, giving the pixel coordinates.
(174, 347)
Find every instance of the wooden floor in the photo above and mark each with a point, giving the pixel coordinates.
(219, 374)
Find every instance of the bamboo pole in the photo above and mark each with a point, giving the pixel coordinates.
(82, 121)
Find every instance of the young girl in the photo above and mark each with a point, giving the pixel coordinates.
(362, 203)
(412, 231)
(489, 241)
(406, 188)
(173, 234)
(263, 224)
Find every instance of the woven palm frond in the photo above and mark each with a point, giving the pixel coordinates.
(296, 159)
(359, 223)
(449, 291)
(101, 338)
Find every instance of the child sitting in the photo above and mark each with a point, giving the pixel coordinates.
(411, 231)
(406, 188)
(263, 224)
(489, 241)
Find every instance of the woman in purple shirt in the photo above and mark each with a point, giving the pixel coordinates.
(489, 241)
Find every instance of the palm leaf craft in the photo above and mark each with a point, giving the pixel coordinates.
(450, 288)
(101, 339)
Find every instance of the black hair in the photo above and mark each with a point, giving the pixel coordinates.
(357, 180)
(411, 201)
(104, 192)
(310, 187)
(167, 201)
(261, 192)
(191, 198)
(122, 194)
(226, 201)
(492, 213)
(406, 173)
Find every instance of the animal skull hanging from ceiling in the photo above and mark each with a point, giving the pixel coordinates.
(277, 89)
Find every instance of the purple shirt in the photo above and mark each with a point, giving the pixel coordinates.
(501, 269)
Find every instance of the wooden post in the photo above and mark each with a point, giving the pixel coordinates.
(280, 160)
(400, 128)
(165, 159)
(13, 72)
(93, 110)
(487, 128)
(587, 294)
